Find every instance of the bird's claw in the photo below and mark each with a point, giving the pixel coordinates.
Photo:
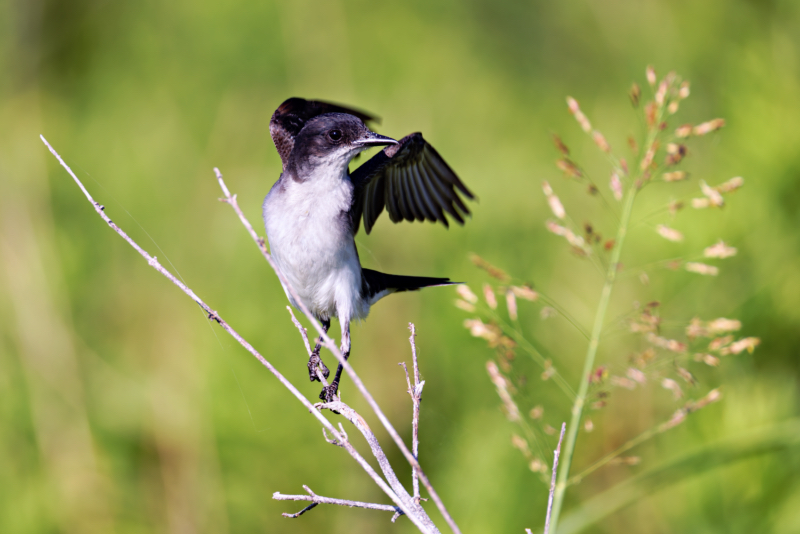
(328, 393)
(313, 362)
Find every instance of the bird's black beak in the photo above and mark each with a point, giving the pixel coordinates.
(373, 139)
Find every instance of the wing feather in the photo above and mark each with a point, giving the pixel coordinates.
(414, 199)
(448, 192)
(437, 200)
(425, 198)
(395, 203)
(412, 182)
(407, 198)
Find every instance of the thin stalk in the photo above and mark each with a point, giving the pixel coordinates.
(537, 356)
(591, 353)
(563, 312)
(641, 438)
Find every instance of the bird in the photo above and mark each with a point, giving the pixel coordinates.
(315, 208)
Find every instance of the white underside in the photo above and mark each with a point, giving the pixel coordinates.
(312, 245)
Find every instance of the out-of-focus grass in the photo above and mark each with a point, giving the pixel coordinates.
(122, 409)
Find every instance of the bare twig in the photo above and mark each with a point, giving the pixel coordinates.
(330, 345)
(556, 454)
(351, 415)
(303, 331)
(334, 441)
(403, 501)
(318, 499)
(359, 422)
(416, 398)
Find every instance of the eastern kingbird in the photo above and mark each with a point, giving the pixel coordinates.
(314, 210)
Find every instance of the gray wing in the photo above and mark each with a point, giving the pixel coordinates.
(412, 182)
(292, 115)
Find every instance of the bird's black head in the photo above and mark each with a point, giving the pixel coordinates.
(332, 139)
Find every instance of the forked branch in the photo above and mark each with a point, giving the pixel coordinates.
(399, 496)
(331, 345)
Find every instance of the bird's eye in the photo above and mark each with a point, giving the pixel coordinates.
(335, 135)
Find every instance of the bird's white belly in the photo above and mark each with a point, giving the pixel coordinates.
(314, 249)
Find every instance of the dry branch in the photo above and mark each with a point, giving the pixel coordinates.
(401, 498)
(317, 499)
(416, 398)
(330, 345)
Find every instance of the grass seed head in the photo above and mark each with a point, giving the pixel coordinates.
(672, 109)
(683, 92)
(650, 73)
(502, 385)
(600, 141)
(672, 345)
(697, 328)
(683, 131)
(616, 186)
(560, 146)
(673, 386)
(701, 268)
(555, 204)
(731, 185)
(464, 305)
(708, 127)
(511, 305)
(719, 250)
(651, 114)
(714, 196)
(707, 359)
(569, 168)
(669, 234)
(488, 294)
(649, 155)
(466, 293)
(525, 292)
(712, 396)
(674, 176)
(717, 344)
(575, 109)
(623, 382)
(686, 375)
(519, 443)
(749, 344)
(636, 374)
(675, 153)
(494, 272)
(635, 94)
(722, 325)
(538, 466)
(661, 92)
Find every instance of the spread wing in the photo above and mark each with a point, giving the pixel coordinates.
(410, 180)
(292, 115)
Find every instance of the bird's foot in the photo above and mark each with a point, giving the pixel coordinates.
(313, 363)
(328, 393)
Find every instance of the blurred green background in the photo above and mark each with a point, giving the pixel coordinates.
(123, 410)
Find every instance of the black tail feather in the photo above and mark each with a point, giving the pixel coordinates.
(376, 284)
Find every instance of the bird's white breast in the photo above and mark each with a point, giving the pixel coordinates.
(310, 238)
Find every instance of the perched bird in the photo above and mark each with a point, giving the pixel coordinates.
(314, 210)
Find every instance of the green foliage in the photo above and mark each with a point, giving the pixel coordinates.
(122, 410)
